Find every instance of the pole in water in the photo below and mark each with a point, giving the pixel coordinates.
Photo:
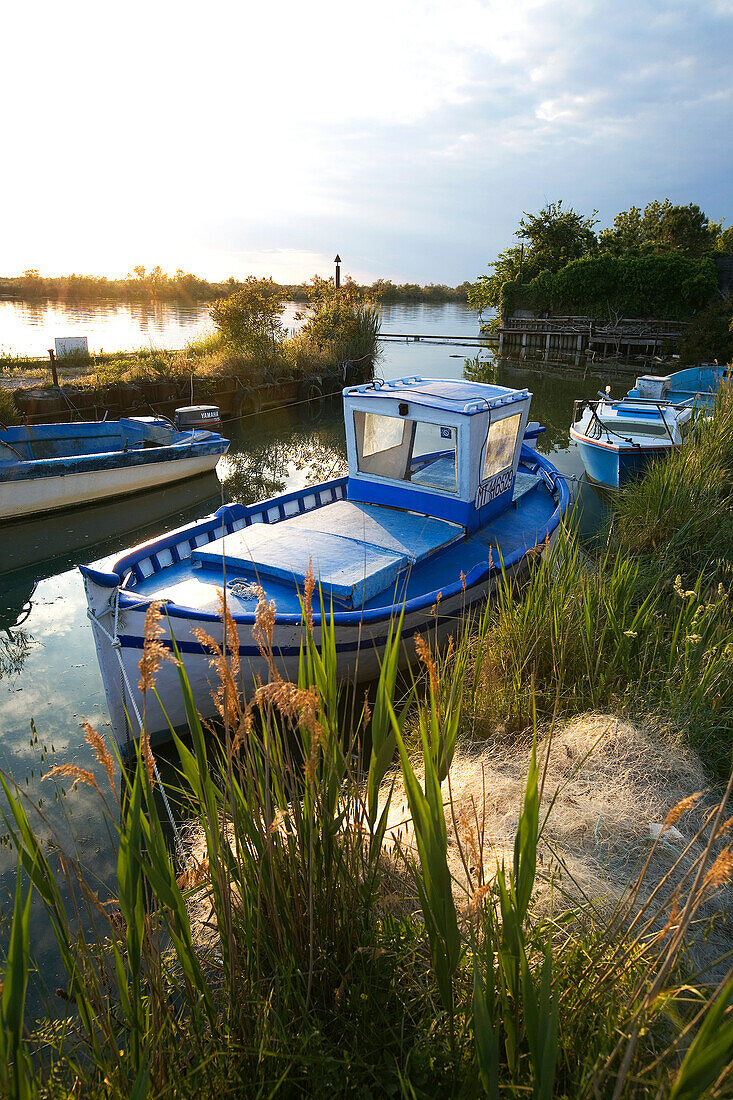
(337, 261)
(52, 357)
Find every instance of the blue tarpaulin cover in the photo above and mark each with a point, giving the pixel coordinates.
(357, 550)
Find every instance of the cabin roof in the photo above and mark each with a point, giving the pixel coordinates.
(449, 395)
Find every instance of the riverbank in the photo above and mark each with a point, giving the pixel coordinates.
(339, 966)
(159, 382)
(240, 366)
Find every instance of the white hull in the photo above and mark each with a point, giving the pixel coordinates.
(35, 495)
(359, 652)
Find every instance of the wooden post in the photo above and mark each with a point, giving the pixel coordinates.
(337, 261)
(54, 373)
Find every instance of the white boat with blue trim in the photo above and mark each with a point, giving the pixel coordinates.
(618, 438)
(441, 490)
(48, 467)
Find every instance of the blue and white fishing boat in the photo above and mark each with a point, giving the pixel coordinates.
(47, 467)
(618, 438)
(441, 490)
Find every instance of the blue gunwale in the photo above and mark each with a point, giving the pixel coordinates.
(127, 570)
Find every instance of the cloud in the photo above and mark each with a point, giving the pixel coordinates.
(408, 138)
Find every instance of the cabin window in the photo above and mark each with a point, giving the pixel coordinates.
(434, 457)
(407, 450)
(383, 444)
(382, 433)
(500, 445)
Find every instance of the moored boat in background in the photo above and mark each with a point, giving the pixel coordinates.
(48, 467)
(618, 438)
(441, 495)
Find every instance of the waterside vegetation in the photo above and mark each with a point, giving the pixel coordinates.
(338, 926)
(338, 334)
(150, 285)
(659, 262)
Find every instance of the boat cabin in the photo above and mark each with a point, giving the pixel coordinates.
(444, 448)
(430, 462)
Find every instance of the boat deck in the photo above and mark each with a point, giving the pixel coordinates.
(366, 556)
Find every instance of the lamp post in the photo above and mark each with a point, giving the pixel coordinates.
(337, 261)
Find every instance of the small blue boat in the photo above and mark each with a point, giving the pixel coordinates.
(441, 492)
(47, 467)
(618, 438)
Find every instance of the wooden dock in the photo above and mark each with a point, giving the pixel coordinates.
(465, 340)
(575, 338)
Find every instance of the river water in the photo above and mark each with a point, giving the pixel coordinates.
(49, 677)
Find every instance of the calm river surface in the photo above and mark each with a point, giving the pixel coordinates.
(49, 677)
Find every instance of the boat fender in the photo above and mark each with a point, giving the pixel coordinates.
(249, 403)
(310, 395)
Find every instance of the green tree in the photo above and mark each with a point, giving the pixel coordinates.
(626, 238)
(250, 319)
(512, 266)
(724, 241)
(556, 236)
(663, 227)
(685, 229)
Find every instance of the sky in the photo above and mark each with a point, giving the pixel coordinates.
(409, 136)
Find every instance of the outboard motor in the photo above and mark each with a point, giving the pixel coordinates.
(197, 416)
(652, 387)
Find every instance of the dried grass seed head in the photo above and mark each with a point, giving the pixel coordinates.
(100, 750)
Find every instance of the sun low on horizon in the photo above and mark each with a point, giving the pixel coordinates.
(409, 138)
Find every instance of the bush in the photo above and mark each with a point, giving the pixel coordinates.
(668, 287)
(709, 336)
(8, 409)
(250, 320)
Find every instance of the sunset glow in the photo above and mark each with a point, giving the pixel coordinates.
(408, 137)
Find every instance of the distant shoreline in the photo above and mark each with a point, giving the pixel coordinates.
(186, 289)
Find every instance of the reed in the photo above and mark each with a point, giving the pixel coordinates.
(8, 410)
(678, 519)
(308, 946)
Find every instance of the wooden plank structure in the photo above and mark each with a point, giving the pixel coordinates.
(463, 341)
(574, 338)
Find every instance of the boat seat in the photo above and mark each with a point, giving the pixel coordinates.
(438, 474)
(356, 550)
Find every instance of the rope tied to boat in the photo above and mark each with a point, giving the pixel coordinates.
(116, 646)
(244, 590)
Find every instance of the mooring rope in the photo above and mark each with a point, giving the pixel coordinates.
(116, 646)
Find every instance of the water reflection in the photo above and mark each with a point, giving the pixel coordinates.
(268, 460)
(15, 642)
(53, 539)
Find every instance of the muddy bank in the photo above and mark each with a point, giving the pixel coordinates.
(234, 396)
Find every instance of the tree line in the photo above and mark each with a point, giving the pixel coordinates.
(150, 285)
(659, 261)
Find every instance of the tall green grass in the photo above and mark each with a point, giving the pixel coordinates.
(678, 519)
(315, 973)
(588, 634)
(327, 961)
(8, 409)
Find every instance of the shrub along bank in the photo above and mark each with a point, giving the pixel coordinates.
(669, 287)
